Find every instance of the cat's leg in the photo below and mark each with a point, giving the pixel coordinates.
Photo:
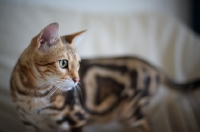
(143, 125)
(134, 117)
(139, 115)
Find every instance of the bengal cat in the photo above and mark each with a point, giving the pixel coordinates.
(48, 96)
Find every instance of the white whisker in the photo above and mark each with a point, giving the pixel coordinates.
(61, 85)
(78, 91)
(49, 83)
(57, 87)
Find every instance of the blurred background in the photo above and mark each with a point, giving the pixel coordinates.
(187, 11)
(196, 15)
(164, 32)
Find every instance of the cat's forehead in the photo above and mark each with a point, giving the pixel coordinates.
(70, 51)
(71, 54)
(58, 52)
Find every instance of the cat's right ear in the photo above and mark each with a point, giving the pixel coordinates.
(47, 37)
(75, 39)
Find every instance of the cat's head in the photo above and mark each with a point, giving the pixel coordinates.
(54, 58)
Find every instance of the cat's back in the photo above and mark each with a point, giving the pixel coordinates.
(117, 64)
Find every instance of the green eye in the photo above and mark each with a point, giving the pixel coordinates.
(63, 63)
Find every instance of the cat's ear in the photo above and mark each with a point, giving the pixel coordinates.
(75, 39)
(48, 36)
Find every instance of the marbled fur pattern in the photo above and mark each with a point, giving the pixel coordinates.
(48, 99)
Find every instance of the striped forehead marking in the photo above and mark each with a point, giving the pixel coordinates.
(68, 47)
(70, 50)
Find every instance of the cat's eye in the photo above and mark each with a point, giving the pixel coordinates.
(63, 63)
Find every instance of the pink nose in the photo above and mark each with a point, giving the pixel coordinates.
(76, 80)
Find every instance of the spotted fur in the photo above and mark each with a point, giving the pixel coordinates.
(49, 98)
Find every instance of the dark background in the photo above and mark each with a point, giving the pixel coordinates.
(196, 16)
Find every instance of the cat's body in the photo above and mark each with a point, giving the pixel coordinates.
(47, 97)
(121, 88)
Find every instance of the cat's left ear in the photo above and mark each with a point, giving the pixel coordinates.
(48, 36)
(75, 39)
